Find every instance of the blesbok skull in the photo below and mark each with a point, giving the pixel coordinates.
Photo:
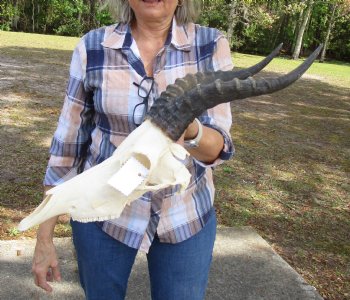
(149, 159)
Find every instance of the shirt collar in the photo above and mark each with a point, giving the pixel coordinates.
(181, 36)
(115, 40)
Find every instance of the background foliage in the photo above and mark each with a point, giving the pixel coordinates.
(251, 26)
(63, 17)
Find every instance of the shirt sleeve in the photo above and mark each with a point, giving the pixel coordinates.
(220, 117)
(73, 134)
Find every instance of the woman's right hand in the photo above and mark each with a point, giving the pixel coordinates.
(45, 264)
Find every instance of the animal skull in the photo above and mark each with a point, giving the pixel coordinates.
(90, 197)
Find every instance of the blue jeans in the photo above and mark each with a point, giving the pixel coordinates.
(177, 271)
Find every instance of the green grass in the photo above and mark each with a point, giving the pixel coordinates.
(338, 73)
(39, 41)
(51, 49)
(289, 178)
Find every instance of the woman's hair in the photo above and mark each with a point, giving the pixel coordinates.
(122, 12)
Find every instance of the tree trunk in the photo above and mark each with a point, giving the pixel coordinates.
(37, 21)
(33, 16)
(15, 18)
(92, 14)
(301, 31)
(232, 21)
(281, 30)
(296, 30)
(329, 30)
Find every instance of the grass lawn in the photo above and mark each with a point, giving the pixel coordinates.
(289, 179)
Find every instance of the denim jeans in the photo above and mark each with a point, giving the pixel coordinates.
(177, 271)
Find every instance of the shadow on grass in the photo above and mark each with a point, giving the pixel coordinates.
(290, 176)
(32, 91)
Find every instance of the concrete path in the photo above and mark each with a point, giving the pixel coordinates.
(244, 268)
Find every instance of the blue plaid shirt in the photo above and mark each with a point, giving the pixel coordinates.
(97, 116)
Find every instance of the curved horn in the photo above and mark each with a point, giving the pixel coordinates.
(174, 116)
(190, 81)
(245, 73)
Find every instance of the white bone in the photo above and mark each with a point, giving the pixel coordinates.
(88, 197)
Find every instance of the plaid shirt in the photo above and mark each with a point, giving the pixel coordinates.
(97, 116)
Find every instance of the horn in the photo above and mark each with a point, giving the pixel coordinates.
(173, 116)
(245, 73)
(190, 81)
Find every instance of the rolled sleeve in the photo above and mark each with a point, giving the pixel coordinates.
(73, 134)
(220, 117)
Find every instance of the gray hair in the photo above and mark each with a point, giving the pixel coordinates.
(122, 12)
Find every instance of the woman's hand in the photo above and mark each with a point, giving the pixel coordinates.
(45, 264)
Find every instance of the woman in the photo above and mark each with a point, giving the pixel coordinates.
(116, 73)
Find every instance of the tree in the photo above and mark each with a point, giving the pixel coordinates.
(232, 21)
(251, 26)
(304, 20)
(337, 9)
(238, 14)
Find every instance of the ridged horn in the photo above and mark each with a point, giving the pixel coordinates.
(174, 116)
(190, 81)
